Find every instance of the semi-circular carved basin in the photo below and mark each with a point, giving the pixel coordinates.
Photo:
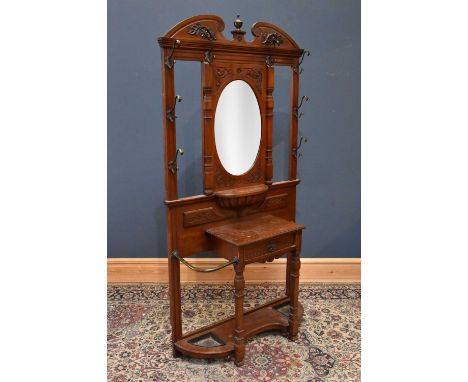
(241, 197)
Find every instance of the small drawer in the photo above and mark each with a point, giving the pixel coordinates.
(269, 246)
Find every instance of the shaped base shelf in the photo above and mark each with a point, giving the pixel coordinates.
(216, 340)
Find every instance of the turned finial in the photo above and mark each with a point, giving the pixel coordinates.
(238, 34)
(238, 22)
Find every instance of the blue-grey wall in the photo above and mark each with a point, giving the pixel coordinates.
(328, 200)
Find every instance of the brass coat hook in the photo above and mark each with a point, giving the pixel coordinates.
(296, 109)
(209, 56)
(171, 113)
(297, 69)
(269, 61)
(295, 150)
(173, 163)
(169, 62)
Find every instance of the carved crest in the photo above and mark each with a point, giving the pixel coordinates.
(202, 31)
(272, 39)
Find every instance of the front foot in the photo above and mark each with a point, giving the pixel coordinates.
(292, 338)
(176, 353)
(239, 363)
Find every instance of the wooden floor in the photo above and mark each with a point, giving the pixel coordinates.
(144, 270)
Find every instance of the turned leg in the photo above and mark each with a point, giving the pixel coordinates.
(239, 341)
(174, 298)
(288, 272)
(294, 295)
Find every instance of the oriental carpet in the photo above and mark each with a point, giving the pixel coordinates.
(139, 334)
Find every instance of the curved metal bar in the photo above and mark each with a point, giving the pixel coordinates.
(203, 270)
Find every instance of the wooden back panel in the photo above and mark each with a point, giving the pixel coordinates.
(192, 216)
(201, 38)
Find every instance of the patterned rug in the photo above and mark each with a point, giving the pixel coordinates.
(139, 347)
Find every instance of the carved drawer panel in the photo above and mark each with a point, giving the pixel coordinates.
(268, 249)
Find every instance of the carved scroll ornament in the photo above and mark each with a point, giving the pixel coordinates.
(202, 31)
(272, 39)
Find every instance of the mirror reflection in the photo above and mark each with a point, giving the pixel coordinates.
(237, 127)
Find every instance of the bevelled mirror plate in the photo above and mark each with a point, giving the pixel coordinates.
(238, 127)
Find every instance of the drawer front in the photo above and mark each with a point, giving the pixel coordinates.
(265, 248)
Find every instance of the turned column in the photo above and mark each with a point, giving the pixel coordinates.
(239, 341)
(175, 300)
(294, 266)
(288, 273)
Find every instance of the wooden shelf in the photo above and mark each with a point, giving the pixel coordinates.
(261, 319)
(253, 229)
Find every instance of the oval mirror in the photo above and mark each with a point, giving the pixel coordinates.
(238, 127)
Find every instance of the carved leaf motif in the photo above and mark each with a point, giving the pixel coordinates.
(255, 176)
(272, 39)
(275, 202)
(221, 73)
(256, 75)
(202, 216)
(202, 31)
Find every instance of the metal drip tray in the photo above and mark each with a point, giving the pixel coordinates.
(208, 340)
(283, 309)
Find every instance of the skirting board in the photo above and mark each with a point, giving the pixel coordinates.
(143, 270)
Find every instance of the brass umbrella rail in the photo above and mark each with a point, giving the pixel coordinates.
(203, 270)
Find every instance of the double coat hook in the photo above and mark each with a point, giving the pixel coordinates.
(296, 109)
(171, 112)
(169, 62)
(269, 61)
(173, 163)
(208, 56)
(297, 68)
(295, 151)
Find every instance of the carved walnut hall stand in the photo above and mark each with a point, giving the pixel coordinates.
(242, 217)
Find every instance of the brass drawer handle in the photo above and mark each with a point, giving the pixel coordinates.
(271, 247)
